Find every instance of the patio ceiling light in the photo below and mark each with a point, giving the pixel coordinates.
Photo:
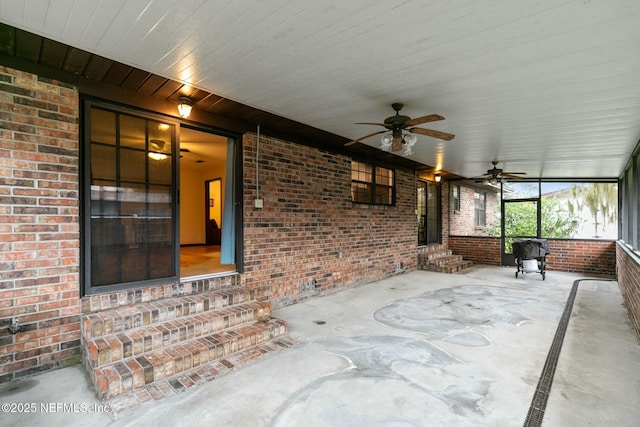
(184, 108)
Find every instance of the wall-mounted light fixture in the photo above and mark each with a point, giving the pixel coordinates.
(184, 108)
(438, 177)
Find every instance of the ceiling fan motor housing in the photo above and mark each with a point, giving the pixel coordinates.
(396, 121)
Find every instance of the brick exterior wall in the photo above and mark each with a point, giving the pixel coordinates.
(308, 220)
(629, 282)
(308, 240)
(593, 257)
(444, 214)
(480, 250)
(462, 222)
(39, 224)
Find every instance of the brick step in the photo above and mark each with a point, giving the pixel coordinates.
(133, 400)
(155, 312)
(440, 259)
(455, 267)
(138, 371)
(112, 348)
(435, 254)
(444, 260)
(102, 302)
(429, 264)
(433, 247)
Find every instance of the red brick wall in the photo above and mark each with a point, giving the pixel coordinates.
(39, 224)
(480, 250)
(596, 257)
(445, 189)
(308, 219)
(462, 222)
(629, 282)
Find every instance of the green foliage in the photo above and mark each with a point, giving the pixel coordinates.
(557, 220)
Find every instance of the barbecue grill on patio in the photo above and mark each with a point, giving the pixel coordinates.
(531, 255)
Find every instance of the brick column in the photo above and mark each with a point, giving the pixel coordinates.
(39, 224)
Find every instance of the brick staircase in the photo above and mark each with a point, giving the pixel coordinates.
(134, 339)
(439, 258)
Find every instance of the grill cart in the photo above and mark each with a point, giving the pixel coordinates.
(531, 255)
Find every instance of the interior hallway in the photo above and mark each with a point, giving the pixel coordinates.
(418, 349)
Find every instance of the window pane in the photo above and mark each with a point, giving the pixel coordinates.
(480, 218)
(384, 195)
(456, 197)
(131, 203)
(132, 132)
(580, 210)
(103, 161)
(103, 126)
(432, 213)
(361, 172)
(160, 170)
(132, 165)
(520, 190)
(360, 192)
(133, 200)
(160, 137)
(384, 176)
(160, 231)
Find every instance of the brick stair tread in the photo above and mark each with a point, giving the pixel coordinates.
(135, 342)
(158, 390)
(435, 254)
(457, 266)
(449, 259)
(144, 314)
(137, 371)
(433, 247)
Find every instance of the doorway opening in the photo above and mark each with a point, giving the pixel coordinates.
(203, 168)
(428, 210)
(518, 225)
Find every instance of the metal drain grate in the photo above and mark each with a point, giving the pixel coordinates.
(540, 397)
(539, 401)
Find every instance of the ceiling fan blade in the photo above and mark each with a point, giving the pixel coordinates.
(513, 175)
(363, 137)
(369, 123)
(433, 133)
(424, 119)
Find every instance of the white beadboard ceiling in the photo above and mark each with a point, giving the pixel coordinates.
(547, 87)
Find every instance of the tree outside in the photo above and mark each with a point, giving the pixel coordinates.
(569, 210)
(600, 201)
(520, 220)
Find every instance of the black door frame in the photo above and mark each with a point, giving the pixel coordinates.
(438, 213)
(507, 258)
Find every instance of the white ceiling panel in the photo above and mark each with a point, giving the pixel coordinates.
(548, 87)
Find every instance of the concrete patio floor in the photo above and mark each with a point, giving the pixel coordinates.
(418, 349)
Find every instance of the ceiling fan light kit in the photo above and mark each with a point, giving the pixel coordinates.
(398, 140)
